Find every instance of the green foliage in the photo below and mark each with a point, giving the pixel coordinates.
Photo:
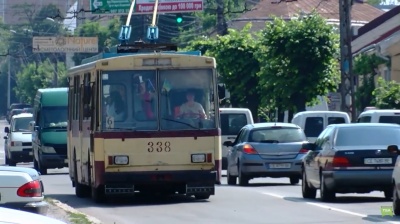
(236, 65)
(364, 67)
(35, 76)
(387, 94)
(298, 61)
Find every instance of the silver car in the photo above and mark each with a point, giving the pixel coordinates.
(266, 150)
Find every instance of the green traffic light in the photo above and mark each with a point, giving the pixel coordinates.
(179, 18)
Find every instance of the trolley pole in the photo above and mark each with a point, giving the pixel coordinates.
(347, 87)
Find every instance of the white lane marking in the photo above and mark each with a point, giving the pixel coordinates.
(336, 209)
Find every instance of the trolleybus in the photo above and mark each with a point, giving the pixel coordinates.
(144, 122)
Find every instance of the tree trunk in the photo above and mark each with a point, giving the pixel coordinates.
(290, 116)
(299, 102)
(222, 26)
(281, 115)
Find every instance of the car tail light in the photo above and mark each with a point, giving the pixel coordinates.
(248, 149)
(209, 157)
(303, 151)
(339, 161)
(30, 189)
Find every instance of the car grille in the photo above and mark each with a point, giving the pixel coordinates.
(61, 149)
(27, 144)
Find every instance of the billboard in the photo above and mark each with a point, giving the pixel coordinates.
(65, 44)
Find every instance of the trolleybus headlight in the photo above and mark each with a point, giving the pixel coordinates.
(198, 158)
(121, 160)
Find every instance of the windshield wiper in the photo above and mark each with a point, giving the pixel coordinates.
(180, 122)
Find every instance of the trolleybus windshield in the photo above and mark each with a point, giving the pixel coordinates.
(158, 100)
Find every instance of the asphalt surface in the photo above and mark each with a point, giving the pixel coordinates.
(266, 201)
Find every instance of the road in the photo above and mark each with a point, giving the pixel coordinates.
(266, 201)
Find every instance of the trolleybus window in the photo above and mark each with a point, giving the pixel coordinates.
(186, 99)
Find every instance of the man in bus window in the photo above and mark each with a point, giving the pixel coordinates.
(191, 109)
(146, 98)
(115, 106)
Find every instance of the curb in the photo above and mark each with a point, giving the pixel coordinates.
(68, 208)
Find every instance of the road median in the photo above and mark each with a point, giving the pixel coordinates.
(68, 214)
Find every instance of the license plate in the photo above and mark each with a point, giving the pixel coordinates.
(280, 165)
(373, 161)
(65, 160)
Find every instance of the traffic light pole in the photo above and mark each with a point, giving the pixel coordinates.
(347, 86)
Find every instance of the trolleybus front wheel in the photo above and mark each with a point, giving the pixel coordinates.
(98, 194)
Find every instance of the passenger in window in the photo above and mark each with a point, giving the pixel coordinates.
(115, 106)
(191, 109)
(146, 98)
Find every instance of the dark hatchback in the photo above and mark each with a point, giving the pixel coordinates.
(350, 158)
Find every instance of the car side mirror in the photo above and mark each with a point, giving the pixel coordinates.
(5, 137)
(393, 149)
(228, 144)
(309, 146)
(7, 130)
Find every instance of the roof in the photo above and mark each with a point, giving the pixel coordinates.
(350, 125)
(319, 112)
(234, 109)
(23, 115)
(329, 9)
(53, 97)
(380, 111)
(272, 124)
(53, 90)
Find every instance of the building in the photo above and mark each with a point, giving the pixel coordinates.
(362, 13)
(382, 37)
(13, 12)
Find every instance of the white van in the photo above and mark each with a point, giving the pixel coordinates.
(232, 120)
(379, 116)
(314, 122)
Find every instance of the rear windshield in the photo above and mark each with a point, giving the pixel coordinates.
(232, 123)
(313, 126)
(389, 119)
(364, 136)
(277, 135)
(22, 124)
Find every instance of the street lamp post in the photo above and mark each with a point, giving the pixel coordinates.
(9, 82)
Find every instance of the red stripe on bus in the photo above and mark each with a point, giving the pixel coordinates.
(99, 168)
(157, 134)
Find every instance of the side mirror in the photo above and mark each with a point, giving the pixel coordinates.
(7, 130)
(393, 149)
(309, 146)
(221, 92)
(5, 137)
(228, 144)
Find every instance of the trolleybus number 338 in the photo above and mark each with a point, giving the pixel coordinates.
(159, 147)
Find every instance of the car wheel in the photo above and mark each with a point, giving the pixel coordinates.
(388, 194)
(231, 179)
(294, 180)
(243, 179)
(326, 194)
(81, 190)
(307, 191)
(98, 194)
(396, 201)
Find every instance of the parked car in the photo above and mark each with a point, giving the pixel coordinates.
(12, 216)
(266, 150)
(18, 142)
(380, 116)
(21, 188)
(351, 158)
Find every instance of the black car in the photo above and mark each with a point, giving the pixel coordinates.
(350, 158)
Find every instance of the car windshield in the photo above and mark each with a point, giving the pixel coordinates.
(389, 119)
(277, 135)
(167, 100)
(21, 124)
(54, 117)
(368, 135)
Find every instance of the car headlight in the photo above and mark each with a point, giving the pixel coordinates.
(47, 149)
(121, 160)
(198, 158)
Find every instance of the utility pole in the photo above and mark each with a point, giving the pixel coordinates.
(9, 82)
(346, 57)
(222, 26)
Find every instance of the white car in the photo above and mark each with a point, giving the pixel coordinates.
(21, 188)
(11, 216)
(18, 142)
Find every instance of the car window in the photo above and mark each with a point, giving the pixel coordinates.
(389, 119)
(364, 119)
(232, 123)
(239, 136)
(336, 120)
(21, 124)
(280, 135)
(367, 136)
(313, 126)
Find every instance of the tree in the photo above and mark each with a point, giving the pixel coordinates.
(35, 76)
(298, 61)
(365, 67)
(237, 66)
(387, 94)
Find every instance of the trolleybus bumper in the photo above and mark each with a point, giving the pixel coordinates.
(185, 182)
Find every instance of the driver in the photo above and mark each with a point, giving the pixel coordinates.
(191, 109)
